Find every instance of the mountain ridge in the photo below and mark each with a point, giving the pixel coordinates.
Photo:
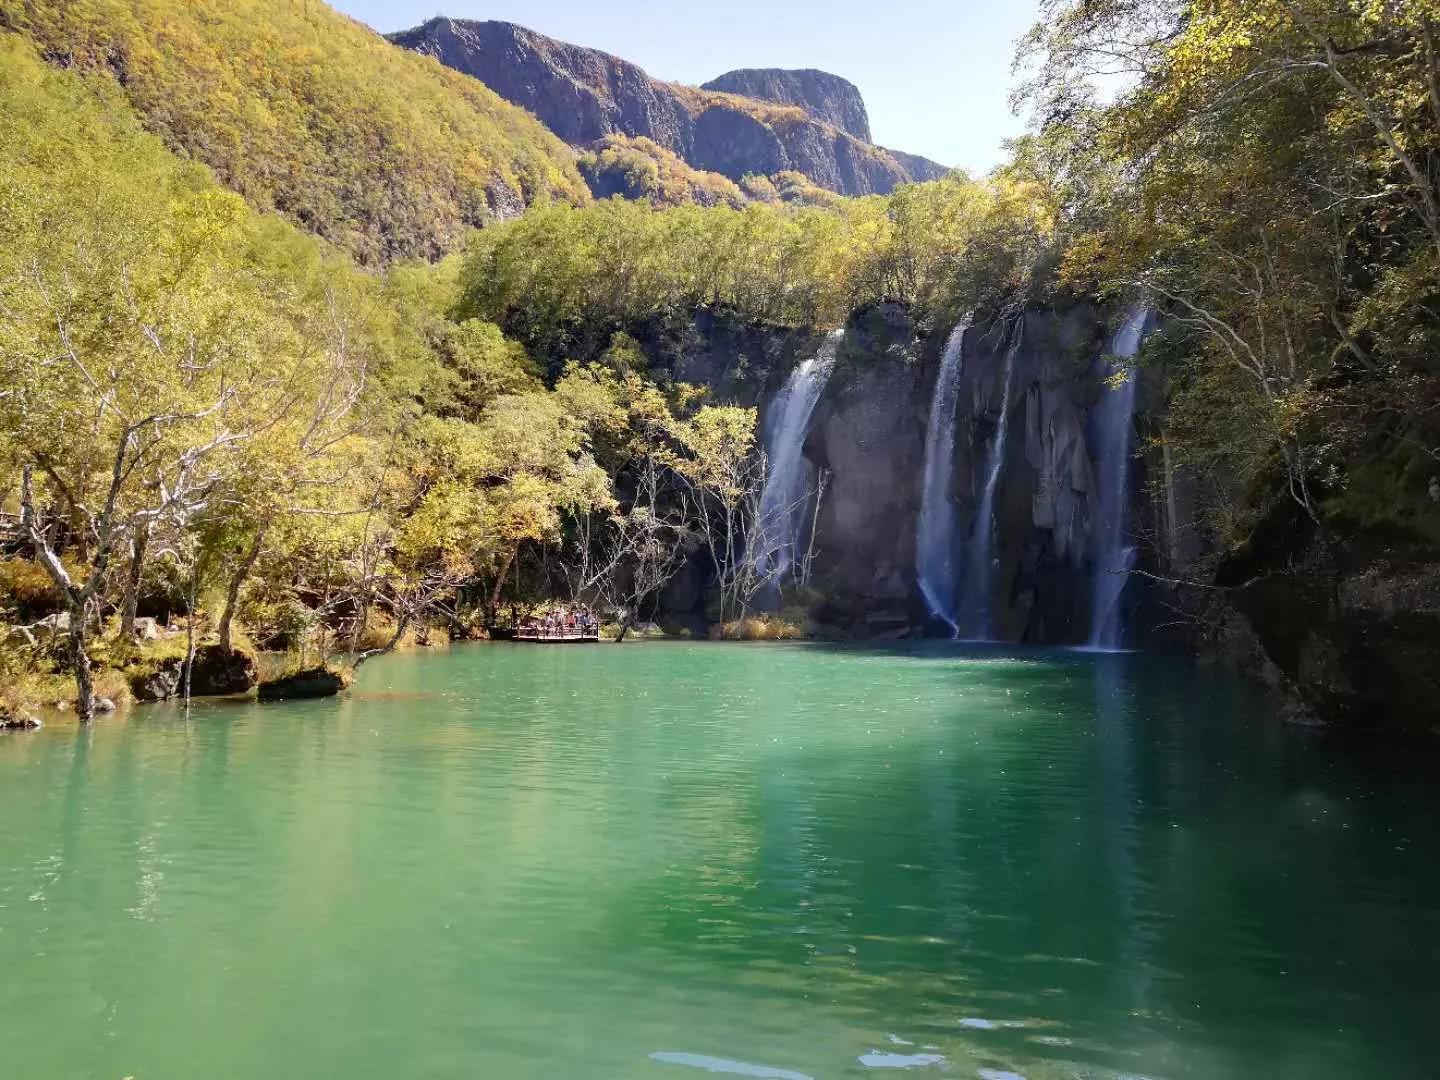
(823, 95)
(585, 95)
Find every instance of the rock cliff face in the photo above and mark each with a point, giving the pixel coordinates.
(1346, 623)
(870, 435)
(580, 94)
(584, 95)
(824, 96)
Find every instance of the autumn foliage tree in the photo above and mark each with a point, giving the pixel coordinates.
(1268, 173)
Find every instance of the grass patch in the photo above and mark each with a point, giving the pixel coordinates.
(760, 628)
(53, 690)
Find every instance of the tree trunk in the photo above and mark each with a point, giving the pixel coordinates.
(84, 684)
(190, 602)
(401, 625)
(232, 593)
(131, 599)
(77, 601)
(459, 631)
(625, 624)
(1172, 514)
(499, 586)
(78, 535)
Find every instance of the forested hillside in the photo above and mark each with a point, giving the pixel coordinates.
(304, 111)
(642, 169)
(204, 410)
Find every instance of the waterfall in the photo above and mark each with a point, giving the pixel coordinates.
(787, 491)
(935, 554)
(1114, 425)
(979, 567)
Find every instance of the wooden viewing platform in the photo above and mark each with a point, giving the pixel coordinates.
(556, 637)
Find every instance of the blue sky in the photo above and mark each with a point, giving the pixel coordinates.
(935, 73)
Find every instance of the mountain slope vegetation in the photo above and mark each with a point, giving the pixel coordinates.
(640, 168)
(824, 96)
(304, 111)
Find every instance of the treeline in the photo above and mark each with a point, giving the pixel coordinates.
(1270, 178)
(641, 169)
(947, 246)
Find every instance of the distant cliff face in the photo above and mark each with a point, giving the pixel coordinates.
(824, 96)
(580, 94)
(919, 168)
(584, 95)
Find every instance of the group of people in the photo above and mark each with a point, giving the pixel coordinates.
(564, 622)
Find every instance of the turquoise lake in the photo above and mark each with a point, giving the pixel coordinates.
(671, 860)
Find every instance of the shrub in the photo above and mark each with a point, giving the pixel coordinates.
(26, 589)
(760, 628)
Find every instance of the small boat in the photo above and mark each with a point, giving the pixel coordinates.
(538, 636)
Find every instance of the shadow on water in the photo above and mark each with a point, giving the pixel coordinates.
(1140, 850)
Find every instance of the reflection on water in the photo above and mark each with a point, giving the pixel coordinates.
(880, 1059)
(787, 861)
(720, 1065)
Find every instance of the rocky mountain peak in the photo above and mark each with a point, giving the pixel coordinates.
(824, 96)
(805, 122)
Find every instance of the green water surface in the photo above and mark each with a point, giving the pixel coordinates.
(655, 860)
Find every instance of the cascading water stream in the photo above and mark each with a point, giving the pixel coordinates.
(936, 557)
(787, 491)
(979, 566)
(1114, 424)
